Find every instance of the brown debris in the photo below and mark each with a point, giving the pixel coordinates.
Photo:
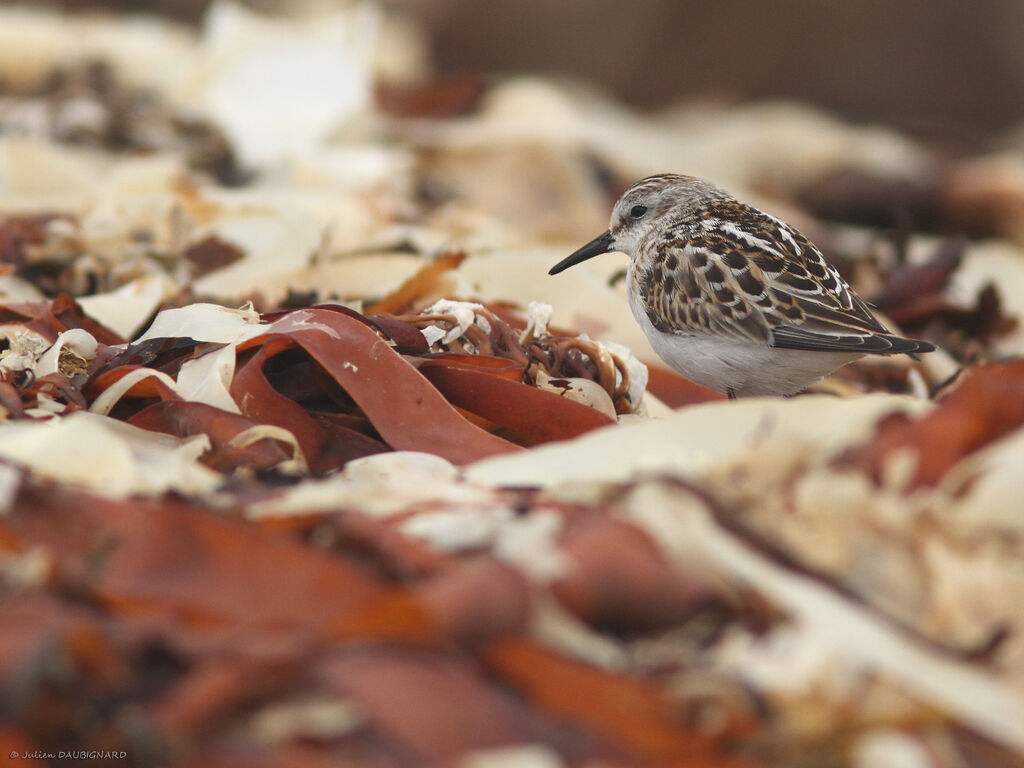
(85, 104)
(540, 418)
(556, 356)
(582, 358)
(17, 235)
(449, 96)
(423, 282)
(209, 254)
(501, 340)
(406, 411)
(338, 383)
(864, 198)
(629, 713)
(987, 404)
(186, 419)
(985, 196)
(911, 291)
(914, 297)
(157, 603)
(676, 391)
(621, 583)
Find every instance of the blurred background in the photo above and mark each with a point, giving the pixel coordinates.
(944, 70)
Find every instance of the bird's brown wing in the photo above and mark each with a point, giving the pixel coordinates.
(739, 273)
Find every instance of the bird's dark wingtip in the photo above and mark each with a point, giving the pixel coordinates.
(911, 347)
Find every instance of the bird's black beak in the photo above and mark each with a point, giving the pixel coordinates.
(603, 243)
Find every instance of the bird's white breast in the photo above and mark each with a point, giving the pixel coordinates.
(723, 363)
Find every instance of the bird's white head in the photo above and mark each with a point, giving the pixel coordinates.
(645, 208)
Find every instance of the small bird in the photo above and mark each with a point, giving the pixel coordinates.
(732, 297)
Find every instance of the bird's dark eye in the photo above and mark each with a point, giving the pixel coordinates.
(637, 211)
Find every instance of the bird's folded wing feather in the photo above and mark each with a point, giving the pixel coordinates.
(743, 274)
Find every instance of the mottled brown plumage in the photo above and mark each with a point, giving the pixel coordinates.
(732, 297)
